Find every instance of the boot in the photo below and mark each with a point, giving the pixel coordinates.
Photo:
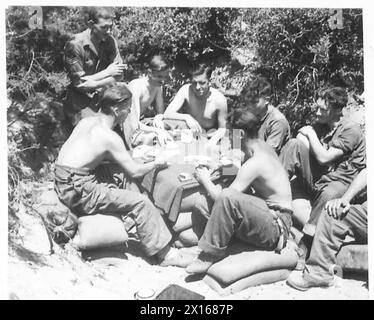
(177, 258)
(203, 262)
(304, 281)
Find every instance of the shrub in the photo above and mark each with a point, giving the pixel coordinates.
(299, 52)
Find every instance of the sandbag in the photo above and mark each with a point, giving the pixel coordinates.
(98, 231)
(353, 257)
(243, 262)
(61, 224)
(253, 280)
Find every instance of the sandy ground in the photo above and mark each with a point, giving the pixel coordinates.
(119, 273)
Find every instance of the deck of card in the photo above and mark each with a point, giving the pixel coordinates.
(183, 177)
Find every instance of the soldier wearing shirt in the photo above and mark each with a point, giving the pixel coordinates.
(274, 127)
(93, 61)
(324, 158)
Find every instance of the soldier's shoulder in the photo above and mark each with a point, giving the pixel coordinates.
(219, 97)
(78, 37)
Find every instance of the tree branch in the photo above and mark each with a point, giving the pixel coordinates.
(297, 85)
(32, 62)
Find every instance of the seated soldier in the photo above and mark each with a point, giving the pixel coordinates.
(93, 61)
(262, 220)
(325, 158)
(274, 128)
(338, 220)
(147, 91)
(77, 185)
(205, 107)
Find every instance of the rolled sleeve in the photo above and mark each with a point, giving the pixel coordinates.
(74, 63)
(347, 138)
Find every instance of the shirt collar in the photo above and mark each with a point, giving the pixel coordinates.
(87, 41)
(269, 110)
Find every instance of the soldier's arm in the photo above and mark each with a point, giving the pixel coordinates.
(247, 173)
(115, 148)
(323, 156)
(333, 206)
(73, 61)
(222, 121)
(358, 184)
(171, 111)
(159, 101)
(74, 65)
(176, 104)
(113, 71)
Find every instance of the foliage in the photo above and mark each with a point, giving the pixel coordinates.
(299, 52)
(183, 36)
(295, 48)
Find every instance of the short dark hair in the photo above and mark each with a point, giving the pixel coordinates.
(158, 63)
(202, 68)
(112, 95)
(245, 120)
(336, 97)
(256, 88)
(94, 13)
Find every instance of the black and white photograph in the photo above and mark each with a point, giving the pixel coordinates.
(186, 151)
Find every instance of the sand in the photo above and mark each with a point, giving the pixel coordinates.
(34, 273)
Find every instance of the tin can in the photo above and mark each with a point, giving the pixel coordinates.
(144, 294)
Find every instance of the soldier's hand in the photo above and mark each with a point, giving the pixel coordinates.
(160, 162)
(307, 131)
(158, 123)
(87, 83)
(337, 208)
(116, 69)
(163, 137)
(193, 124)
(202, 174)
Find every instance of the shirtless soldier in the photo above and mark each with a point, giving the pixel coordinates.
(206, 107)
(147, 92)
(263, 220)
(78, 184)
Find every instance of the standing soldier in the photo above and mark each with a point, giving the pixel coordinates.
(93, 61)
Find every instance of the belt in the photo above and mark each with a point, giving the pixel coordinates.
(282, 242)
(280, 209)
(84, 172)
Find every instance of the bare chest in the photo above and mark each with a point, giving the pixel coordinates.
(203, 110)
(146, 97)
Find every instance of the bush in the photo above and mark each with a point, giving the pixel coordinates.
(299, 52)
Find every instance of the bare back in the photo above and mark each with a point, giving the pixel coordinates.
(84, 148)
(265, 173)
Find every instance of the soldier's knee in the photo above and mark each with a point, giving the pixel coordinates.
(330, 193)
(144, 201)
